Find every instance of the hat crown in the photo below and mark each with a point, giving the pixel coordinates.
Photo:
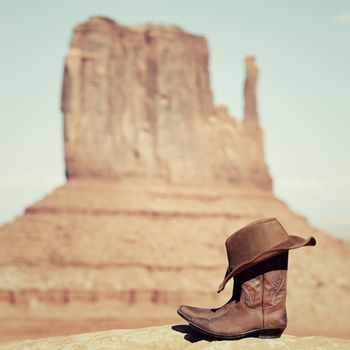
(253, 239)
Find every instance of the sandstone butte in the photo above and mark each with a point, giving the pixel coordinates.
(157, 178)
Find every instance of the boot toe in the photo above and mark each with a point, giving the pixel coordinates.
(191, 313)
(185, 312)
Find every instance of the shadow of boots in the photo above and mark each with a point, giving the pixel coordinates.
(191, 335)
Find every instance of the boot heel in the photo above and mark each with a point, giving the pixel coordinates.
(271, 333)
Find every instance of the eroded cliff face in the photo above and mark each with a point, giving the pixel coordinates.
(137, 102)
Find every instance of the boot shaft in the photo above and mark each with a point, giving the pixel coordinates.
(264, 287)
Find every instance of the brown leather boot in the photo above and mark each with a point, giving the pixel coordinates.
(258, 259)
(256, 309)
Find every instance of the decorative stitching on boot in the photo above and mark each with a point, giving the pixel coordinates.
(250, 291)
(278, 282)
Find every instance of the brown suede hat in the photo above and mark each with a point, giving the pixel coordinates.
(258, 241)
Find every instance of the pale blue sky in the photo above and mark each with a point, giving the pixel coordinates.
(303, 52)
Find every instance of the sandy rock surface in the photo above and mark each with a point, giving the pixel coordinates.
(172, 338)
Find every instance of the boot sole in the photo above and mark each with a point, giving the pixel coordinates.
(262, 333)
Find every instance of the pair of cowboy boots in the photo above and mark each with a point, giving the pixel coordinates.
(258, 262)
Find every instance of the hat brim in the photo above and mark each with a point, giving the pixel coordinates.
(293, 242)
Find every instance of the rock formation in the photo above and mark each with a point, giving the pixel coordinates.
(157, 179)
(137, 102)
(250, 107)
(172, 338)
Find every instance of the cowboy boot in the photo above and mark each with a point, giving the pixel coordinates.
(258, 258)
(257, 307)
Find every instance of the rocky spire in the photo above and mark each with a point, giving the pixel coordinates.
(250, 105)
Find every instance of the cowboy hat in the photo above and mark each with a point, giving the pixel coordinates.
(256, 242)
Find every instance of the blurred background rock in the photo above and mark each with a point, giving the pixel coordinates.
(158, 167)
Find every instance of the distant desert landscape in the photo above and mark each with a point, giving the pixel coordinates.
(157, 178)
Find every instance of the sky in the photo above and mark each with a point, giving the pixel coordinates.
(302, 49)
